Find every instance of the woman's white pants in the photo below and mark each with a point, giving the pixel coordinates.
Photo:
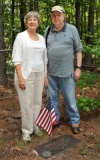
(30, 101)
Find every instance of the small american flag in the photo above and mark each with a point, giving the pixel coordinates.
(47, 117)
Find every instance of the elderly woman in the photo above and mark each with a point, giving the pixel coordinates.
(30, 59)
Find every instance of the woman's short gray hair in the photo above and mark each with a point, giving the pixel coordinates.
(32, 14)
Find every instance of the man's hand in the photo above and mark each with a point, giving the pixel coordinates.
(77, 74)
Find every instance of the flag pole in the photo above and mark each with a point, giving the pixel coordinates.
(47, 117)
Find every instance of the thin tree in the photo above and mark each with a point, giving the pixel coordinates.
(57, 2)
(36, 5)
(22, 13)
(78, 19)
(88, 57)
(31, 5)
(3, 75)
(12, 20)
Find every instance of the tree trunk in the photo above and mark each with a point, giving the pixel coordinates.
(12, 20)
(31, 5)
(36, 5)
(91, 20)
(97, 24)
(77, 6)
(3, 75)
(22, 13)
(88, 56)
(57, 2)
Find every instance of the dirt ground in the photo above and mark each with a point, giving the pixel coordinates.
(13, 148)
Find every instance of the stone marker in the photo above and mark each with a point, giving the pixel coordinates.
(56, 146)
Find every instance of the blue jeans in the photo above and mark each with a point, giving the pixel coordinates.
(67, 87)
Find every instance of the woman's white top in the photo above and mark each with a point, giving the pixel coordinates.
(30, 54)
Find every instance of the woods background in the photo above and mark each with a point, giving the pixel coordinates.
(84, 14)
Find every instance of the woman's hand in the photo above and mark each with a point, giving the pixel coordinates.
(22, 84)
(21, 80)
(46, 81)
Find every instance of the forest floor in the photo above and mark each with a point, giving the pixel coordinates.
(13, 148)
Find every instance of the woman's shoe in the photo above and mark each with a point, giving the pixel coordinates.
(26, 137)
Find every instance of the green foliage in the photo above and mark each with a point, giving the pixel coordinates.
(10, 69)
(96, 50)
(93, 48)
(83, 149)
(12, 22)
(1, 142)
(88, 79)
(87, 48)
(98, 143)
(21, 145)
(87, 104)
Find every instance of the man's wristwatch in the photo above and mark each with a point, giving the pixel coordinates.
(79, 67)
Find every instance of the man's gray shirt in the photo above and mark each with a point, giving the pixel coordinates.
(61, 49)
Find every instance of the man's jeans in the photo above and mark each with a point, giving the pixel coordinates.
(67, 87)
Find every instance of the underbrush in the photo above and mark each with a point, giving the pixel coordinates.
(89, 80)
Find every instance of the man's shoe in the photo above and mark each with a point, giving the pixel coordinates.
(26, 137)
(39, 133)
(75, 128)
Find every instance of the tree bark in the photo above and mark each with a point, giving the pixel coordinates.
(3, 75)
(88, 56)
(22, 13)
(36, 5)
(31, 5)
(12, 20)
(57, 2)
(78, 19)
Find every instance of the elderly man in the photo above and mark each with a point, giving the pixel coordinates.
(63, 44)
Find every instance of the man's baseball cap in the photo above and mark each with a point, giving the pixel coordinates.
(57, 8)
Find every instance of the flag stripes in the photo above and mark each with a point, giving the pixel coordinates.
(47, 117)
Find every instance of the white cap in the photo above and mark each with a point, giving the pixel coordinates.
(57, 8)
